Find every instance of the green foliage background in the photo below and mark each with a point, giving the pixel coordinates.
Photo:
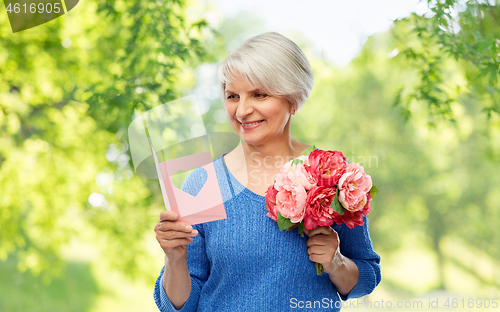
(420, 114)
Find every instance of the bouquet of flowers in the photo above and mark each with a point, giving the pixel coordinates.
(319, 188)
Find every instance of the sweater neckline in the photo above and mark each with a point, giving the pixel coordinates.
(245, 191)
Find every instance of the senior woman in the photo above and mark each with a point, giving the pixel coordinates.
(244, 263)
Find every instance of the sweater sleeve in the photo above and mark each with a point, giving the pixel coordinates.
(197, 261)
(356, 244)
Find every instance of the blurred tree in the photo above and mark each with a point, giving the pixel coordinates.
(68, 90)
(434, 185)
(465, 32)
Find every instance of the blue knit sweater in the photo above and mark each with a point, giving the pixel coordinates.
(245, 263)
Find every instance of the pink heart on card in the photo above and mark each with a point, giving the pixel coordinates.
(180, 176)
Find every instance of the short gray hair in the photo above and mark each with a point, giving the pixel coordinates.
(272, 62)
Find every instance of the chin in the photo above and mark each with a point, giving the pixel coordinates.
(253, 139)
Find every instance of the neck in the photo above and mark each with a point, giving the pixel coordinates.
(280, 150)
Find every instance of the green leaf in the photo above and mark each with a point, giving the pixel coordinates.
(297, 161)
(336, 205)
(308, 150)
(301, 229)
(373, 191)
(292, 227)
(283, 223)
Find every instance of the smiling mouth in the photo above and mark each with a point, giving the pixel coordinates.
(251, 124)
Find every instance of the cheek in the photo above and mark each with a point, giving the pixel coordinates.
(230, 111)
(278, 112)
(279, 117)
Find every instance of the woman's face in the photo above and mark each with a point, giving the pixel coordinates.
(256, 116)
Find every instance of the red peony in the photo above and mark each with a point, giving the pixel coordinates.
(271, 203)
(318, 211)
(367, 208)
(327, 166)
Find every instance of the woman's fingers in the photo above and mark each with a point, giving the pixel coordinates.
(170, 219)
(174, 230)
(320, 230)
(165, 226)
(168, 223)
(318, 250)
(168, 216)
(170, 244)
(173, 235)
(172, 239)
(319, 240)
(177, 234)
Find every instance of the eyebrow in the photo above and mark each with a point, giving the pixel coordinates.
(252, 91)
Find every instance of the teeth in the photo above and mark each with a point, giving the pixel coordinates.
(253, 123)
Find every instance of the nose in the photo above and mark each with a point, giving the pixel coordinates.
(244, 108)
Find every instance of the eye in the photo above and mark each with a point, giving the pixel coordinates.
(231, 96)
(261, 95)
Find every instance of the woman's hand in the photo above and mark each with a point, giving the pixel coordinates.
(324, 248)
(173, 236)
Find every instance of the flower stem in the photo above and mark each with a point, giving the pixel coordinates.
(319, 268)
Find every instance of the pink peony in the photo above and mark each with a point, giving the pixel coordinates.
(301, 173)
(327, 166)
(318, 211)
(353, 188)
(291, 197)
(352, 219)
(272, 212)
